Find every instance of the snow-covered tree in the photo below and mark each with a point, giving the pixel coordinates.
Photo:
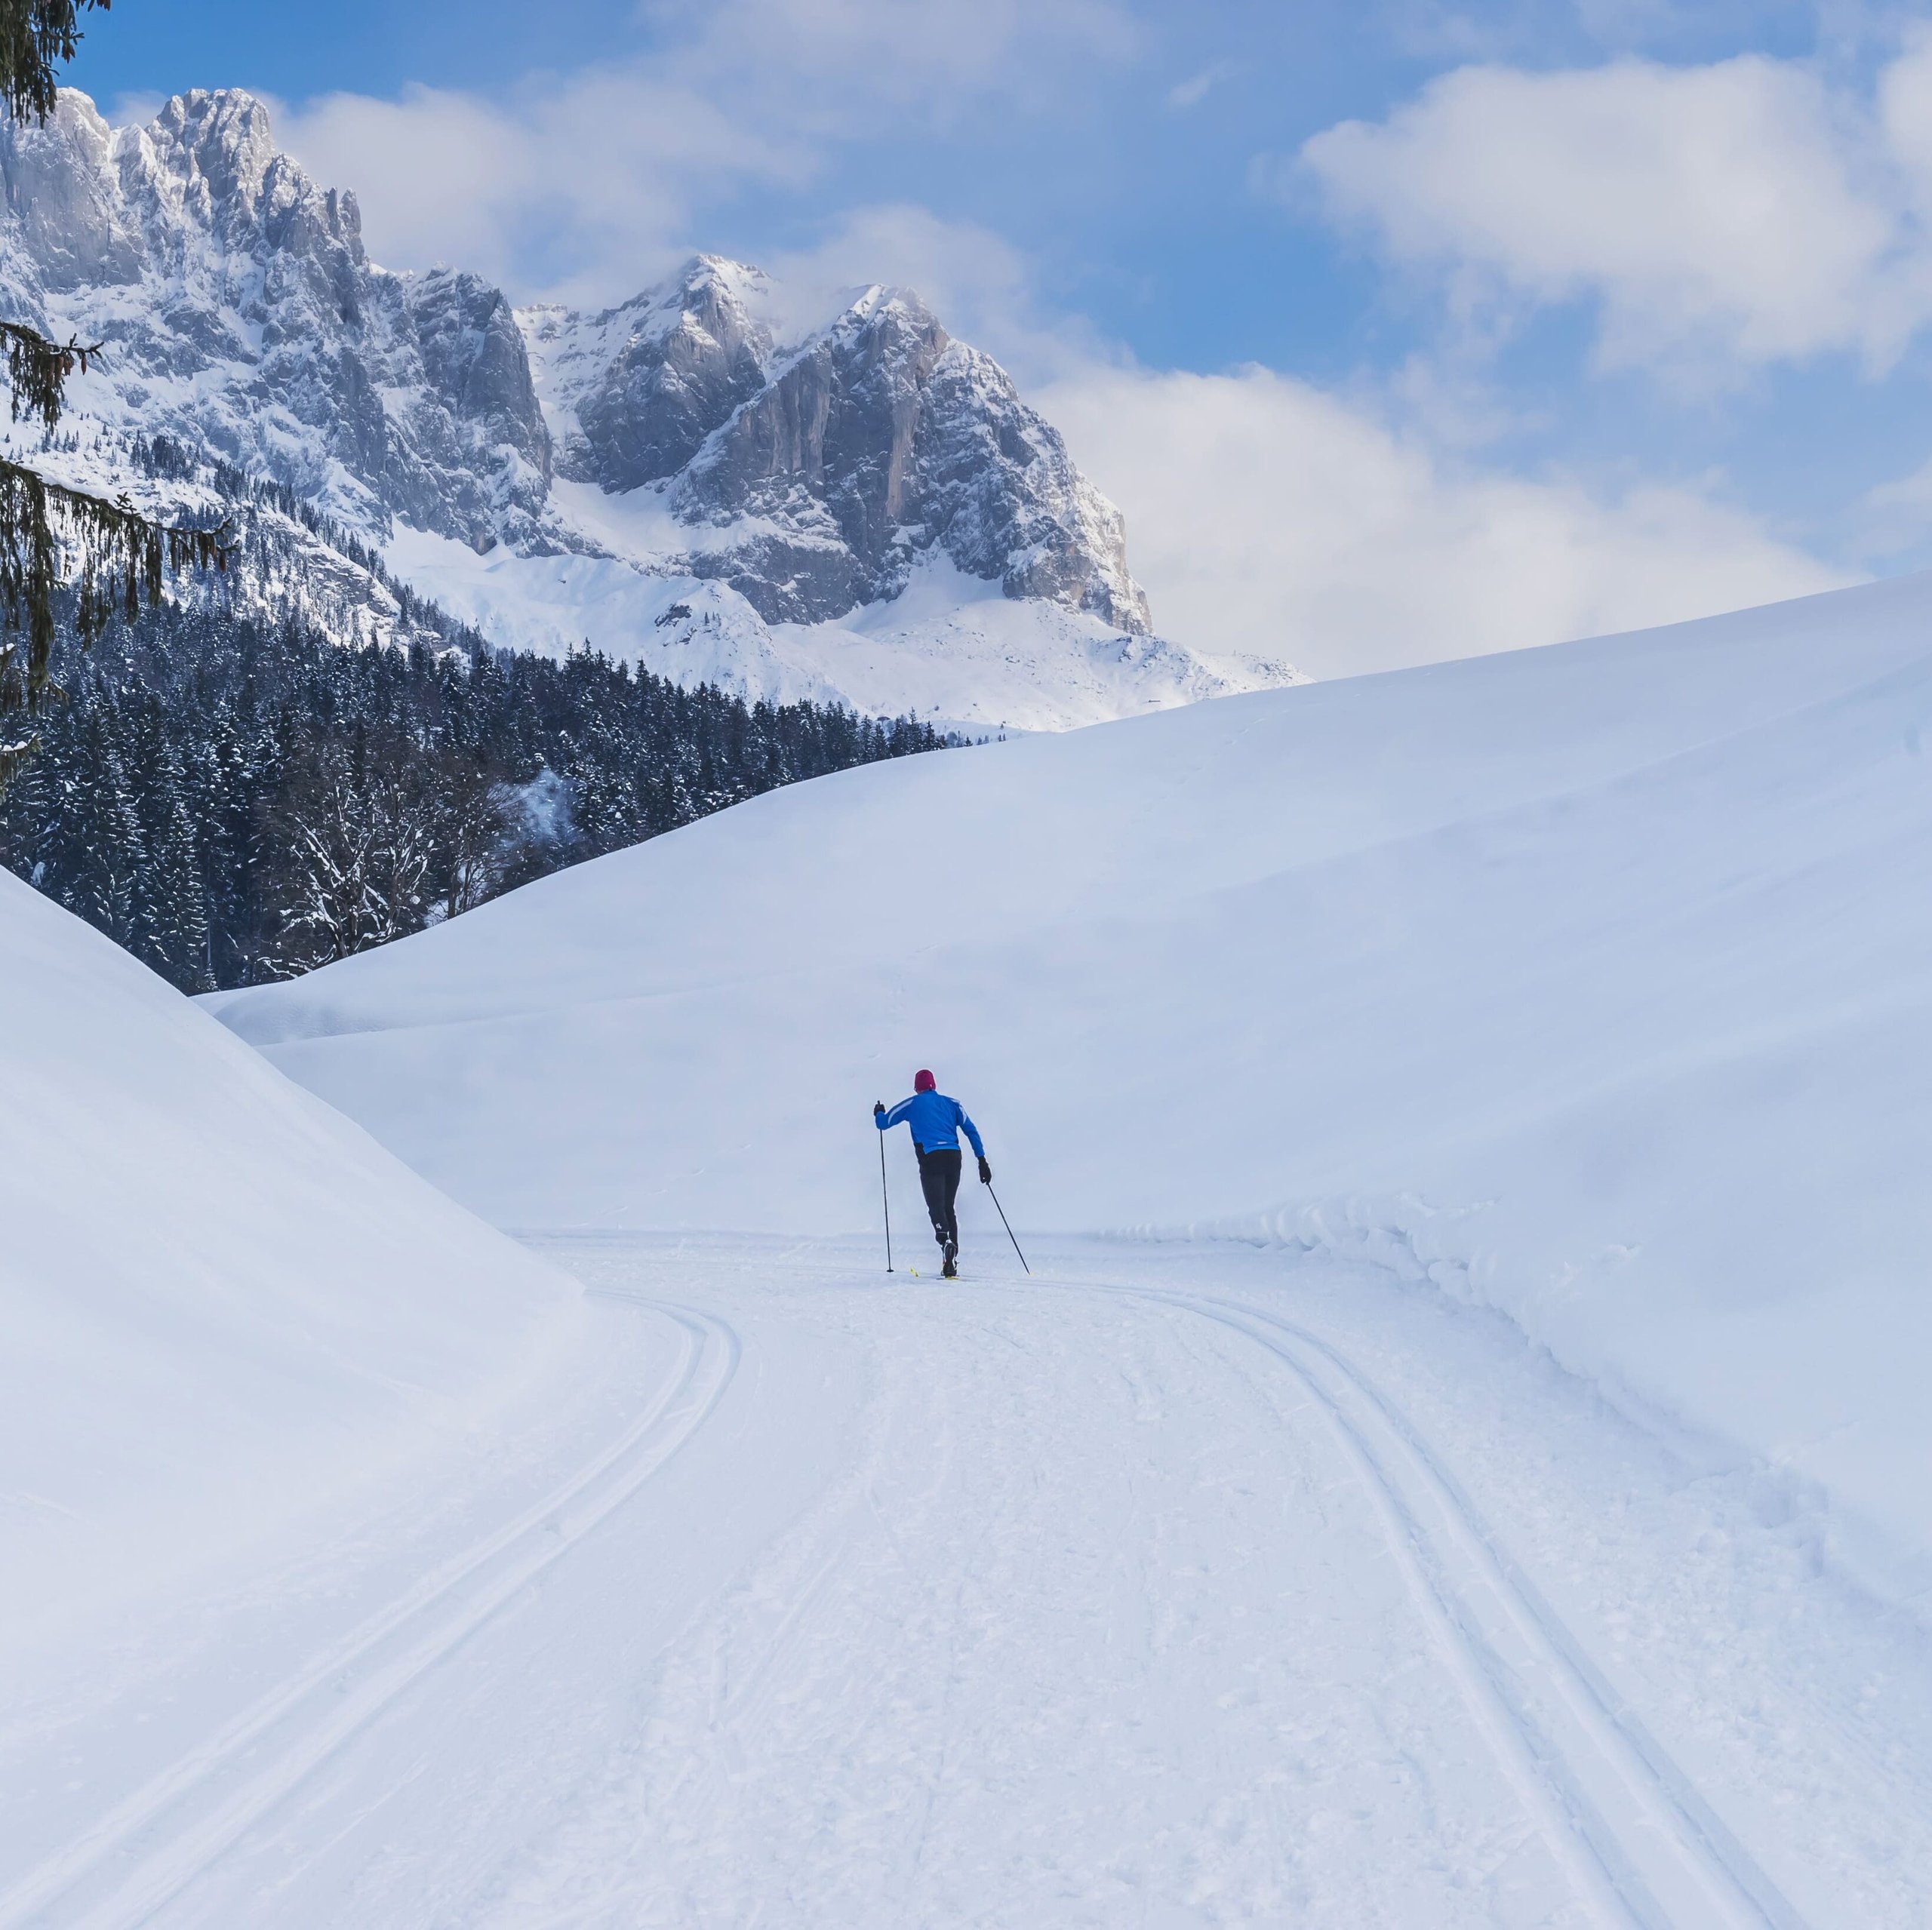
(236, 801)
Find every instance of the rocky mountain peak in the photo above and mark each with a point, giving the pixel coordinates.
(67, 225)
(882, 440)
(219, 145)
(698, 433)
(242, 314)
(633, 391)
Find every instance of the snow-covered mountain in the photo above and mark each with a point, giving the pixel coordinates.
(862, 508)
(813, 479)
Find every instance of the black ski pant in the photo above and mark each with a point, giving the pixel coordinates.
(939, 1180)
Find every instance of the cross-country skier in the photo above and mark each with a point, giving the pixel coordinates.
(936, 1121)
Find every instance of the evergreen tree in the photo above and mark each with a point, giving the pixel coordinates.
(236, 801)
(111, 851)
(177, 913)
(51, 534)
(36, 36)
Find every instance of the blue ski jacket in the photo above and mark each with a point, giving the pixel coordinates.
(935, 1121)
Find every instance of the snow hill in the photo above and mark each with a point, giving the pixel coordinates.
(227, 1310)
(1593, 983)
(852, 505)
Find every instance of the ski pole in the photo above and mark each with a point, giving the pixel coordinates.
(1004, 1221)
(887, 1198)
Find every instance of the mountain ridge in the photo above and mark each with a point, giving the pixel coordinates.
(555, 477)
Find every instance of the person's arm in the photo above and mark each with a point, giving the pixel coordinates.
(881, 1118)
(972, 1132)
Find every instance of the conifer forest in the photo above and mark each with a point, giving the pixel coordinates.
(235, 800)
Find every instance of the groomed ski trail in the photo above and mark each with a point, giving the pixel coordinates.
(153, 1845)
(1170, 1588)
(1638, 1838)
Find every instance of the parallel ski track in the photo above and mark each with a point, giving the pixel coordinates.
(1644, 1847)
(150, 1847)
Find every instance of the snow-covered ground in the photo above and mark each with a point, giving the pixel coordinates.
(223, 1302)
(1163, 1588)
(1478, 1481)
(1594, 983)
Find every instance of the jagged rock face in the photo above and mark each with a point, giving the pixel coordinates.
(240, 311)
(883, 438)
(810, 473)
(851, 454)
(995, 484)
(826, 449)
(474, 401)
(641, 385)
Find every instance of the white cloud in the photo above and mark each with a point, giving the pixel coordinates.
(1192, 91)
(595, 180)
(1904, 115)
(1893, 517)
(1741, 212)
(1892, 523)
(1266, 517)
(135, 109)
(586, 184)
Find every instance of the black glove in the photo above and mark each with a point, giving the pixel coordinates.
(985, 1172)
(879, 1106)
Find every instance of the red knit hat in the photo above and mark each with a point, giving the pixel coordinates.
(924, 1082)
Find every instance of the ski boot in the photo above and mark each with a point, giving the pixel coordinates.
(949, 1272)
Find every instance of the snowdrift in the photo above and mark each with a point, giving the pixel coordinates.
(223, 1304)
(1594, 983)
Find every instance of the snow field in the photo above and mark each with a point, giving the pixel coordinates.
(1589, 983)
(950, 647)
(1143, 1590)
(278, 1673)
(1488, 1498)
(228, 1310)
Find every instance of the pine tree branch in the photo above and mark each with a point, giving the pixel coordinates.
(35, 36)
(50, 533)
(37, 368)
(47, 531)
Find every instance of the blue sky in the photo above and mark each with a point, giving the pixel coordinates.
(1399, 330)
